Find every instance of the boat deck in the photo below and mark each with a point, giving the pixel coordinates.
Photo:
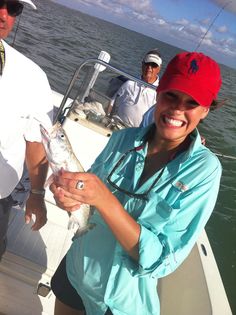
(30, 261)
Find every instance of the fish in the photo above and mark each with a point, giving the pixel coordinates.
(60, 155)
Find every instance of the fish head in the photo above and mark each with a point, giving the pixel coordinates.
(56, 145)
(56, 136)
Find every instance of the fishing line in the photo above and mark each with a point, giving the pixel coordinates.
(225, 156)
(211, 24)
(198, 45)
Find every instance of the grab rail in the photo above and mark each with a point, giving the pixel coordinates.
(107, 65)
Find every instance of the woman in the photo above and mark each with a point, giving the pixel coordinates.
(153, 190)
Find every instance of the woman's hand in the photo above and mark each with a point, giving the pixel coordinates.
(94, 192)
(69, 198)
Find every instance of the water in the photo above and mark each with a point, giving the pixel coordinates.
(59, 39)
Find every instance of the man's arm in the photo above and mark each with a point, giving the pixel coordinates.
(37, 166)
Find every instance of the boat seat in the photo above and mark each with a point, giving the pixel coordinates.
(190, 296)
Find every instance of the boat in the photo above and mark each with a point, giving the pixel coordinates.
(31, 258)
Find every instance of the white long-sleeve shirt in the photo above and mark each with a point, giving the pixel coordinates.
(25, 101)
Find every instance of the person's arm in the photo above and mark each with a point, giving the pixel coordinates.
(39, 111)
(37, 166)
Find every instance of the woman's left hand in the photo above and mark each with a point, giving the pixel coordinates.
(94, 192)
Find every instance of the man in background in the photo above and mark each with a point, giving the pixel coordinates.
(25, 101)
(132, 99)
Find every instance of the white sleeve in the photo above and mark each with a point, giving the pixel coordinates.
(41, 109)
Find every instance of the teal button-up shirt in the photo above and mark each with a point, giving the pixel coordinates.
(171, 220)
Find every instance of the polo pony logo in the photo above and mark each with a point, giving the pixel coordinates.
(193, 67)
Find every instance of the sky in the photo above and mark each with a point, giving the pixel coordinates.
(182, 23)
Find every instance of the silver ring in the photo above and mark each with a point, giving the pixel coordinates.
(80, 185)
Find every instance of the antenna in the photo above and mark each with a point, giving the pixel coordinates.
(209, 27)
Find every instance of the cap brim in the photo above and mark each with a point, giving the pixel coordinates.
(30, 3)
(153, 58)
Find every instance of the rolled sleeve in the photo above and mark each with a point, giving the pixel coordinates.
(150, 251)
(151, 256)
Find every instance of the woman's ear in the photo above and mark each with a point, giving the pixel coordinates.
(205, 112)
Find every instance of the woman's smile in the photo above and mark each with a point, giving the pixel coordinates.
(172, 122)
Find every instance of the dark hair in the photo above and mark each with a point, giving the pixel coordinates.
(217, 104)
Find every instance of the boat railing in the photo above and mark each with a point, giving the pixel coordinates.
(98, 67)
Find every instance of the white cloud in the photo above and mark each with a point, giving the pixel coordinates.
(230, 5)
(138, 6)
(222, 29)
(206, 21)
(140, 17)
(182, 22)
(161, 22)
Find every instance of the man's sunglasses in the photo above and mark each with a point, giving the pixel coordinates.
(151, 64)
(14, 8)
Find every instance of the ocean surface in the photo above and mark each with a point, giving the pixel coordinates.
(59, 39)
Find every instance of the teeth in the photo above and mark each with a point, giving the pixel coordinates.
(173, 122)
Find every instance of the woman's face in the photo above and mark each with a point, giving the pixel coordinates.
(177, 115)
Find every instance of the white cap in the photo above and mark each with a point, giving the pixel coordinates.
(153, 58)
(30, 3)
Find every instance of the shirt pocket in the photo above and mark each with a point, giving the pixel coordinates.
(161, 209)
(174, 194)
(156, 213)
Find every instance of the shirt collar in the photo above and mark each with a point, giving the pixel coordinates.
(143, 133)
(155, 83)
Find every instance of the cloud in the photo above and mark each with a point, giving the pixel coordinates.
(183, 22)
(230, 5)
(137, 6)
(188, 32)
(222, 29)
(122, 6)
(206, 21)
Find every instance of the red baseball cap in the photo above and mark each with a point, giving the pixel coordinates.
(195, 74)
